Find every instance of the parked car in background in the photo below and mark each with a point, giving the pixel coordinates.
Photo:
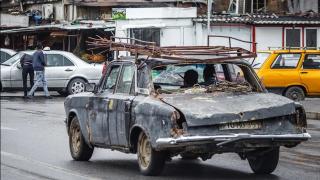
(65, 72)
(6, 54)
(292, 73)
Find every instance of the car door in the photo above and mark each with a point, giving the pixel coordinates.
(98, 109)
(16, 74)
(120, 114)
(59, 69)
(310, 73)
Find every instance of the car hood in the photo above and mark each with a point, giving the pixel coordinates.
(211, 109)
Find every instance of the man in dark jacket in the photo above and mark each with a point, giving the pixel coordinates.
(27, 68)
(38, 65)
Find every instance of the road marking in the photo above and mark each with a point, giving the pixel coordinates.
(47, 165)
(7, 128)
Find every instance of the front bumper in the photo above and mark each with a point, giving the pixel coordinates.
(224, 140)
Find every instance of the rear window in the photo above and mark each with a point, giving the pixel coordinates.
(204, 78)
(259, 60)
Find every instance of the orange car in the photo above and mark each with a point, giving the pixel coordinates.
(292, 73)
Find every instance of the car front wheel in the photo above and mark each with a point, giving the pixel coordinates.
(151, 162)
(264, 162)
(80, 151)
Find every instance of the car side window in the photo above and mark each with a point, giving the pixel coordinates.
(311, 61)
(54, 60)
(125, 80)
(111, 79)
(67, 62)
(286, 61)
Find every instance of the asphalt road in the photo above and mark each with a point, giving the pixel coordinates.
(34, 145)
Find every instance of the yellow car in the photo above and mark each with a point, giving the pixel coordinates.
(292, 73)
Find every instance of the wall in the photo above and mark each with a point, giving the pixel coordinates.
(241, 32)
(173, 32)
(14, 21)
(57, 8)
(152, 13)
(268, 37)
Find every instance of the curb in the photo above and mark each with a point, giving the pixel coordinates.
(313, 115)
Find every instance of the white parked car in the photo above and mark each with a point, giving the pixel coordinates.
(65, 72)
(6, 54)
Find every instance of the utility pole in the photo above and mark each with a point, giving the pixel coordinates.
(209, 6)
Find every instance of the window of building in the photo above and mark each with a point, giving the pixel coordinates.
(286, 61)
(311, 38)
(293, 37)
(146, 34)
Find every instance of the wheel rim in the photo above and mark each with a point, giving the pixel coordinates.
(75, 138)
(144, 152)
(77, 87)
(295, 95)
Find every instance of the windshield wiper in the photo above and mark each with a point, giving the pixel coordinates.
(5, 64)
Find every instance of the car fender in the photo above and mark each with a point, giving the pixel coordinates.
(73, 77)
(153, 116)
(304, 86)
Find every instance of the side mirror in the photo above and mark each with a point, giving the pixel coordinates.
(90, 87)
(19, 66)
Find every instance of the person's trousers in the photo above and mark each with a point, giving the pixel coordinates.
(25, 72)
(41, 79)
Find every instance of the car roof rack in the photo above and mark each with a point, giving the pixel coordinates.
(183, 53)
(293, 48)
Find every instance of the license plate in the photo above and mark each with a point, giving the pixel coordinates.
(241, 125)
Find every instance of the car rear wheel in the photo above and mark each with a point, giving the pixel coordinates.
(80, 151)
(151, 162)
(77, 85)
(264, 162)
(295, 93)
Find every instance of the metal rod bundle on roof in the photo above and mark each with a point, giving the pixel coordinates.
(185, 53)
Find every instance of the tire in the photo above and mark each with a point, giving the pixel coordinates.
(265, 163)
(295, 93)
(79, 149)
(75, 86)
(151, 162)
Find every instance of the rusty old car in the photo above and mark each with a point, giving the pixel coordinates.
(189, 101)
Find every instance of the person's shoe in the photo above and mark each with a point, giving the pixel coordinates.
(49, 97)
(29, 97)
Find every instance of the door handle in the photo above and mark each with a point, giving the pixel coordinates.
(68, 69)
(303, 72)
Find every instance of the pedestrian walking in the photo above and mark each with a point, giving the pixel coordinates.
(39, 67)
(27, 69)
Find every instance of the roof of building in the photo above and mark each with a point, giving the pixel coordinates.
(265, 19)
(84, 25)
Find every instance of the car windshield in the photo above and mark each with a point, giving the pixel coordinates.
(14, 59)
(201, 78)
(260, 59)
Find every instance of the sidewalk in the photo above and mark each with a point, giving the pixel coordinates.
(312, 107)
